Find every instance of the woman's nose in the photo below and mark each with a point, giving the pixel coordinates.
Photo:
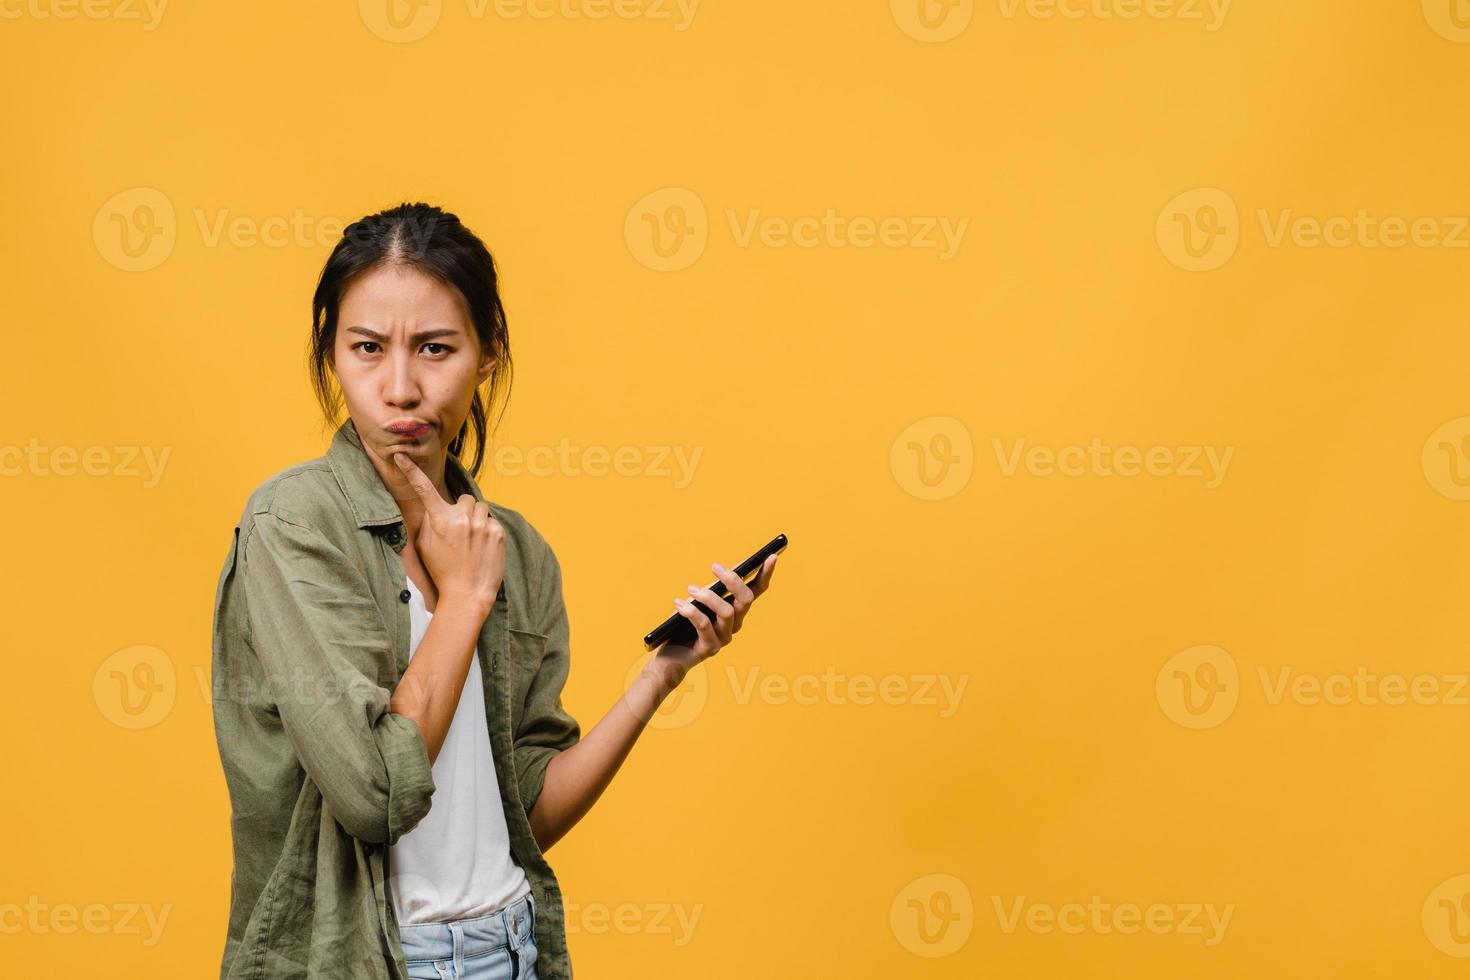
(403, 389)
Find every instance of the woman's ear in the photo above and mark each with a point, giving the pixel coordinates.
(487, 368)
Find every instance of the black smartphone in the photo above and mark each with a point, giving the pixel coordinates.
(679, 630)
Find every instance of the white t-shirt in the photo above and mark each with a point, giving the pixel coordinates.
(456, 862)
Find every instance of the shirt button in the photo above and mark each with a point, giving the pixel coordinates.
(395, 536)
(403, 596)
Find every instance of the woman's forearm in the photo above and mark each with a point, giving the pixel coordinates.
(576, 777)
(431, 685)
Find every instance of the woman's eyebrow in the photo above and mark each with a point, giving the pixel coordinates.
(422, 335)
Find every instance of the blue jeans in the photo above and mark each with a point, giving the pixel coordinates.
(498, 946)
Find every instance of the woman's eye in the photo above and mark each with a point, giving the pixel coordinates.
(363, 346)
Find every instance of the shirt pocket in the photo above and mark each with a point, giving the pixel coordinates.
(526, 650)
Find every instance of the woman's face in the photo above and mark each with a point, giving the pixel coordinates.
(408, 360)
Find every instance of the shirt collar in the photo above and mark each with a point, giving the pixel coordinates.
(372, 505)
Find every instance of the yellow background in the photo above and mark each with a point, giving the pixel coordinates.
(825, 387)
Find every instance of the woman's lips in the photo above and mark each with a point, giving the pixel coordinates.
(409, 430)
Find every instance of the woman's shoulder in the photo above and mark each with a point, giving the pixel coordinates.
(528, 540)
(305, 493)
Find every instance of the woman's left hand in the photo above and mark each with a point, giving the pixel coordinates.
(713, 636)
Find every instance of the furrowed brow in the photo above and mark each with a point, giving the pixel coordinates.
(419, 337)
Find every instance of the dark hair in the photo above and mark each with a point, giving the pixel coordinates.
(434, 242)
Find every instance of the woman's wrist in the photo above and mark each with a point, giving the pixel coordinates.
(668, 671)
(654, 683)
(472, 603)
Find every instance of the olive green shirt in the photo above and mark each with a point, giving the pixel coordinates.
(311, 635)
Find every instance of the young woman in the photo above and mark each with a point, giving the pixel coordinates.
(390, 650)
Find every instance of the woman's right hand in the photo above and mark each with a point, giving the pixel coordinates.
(460, 544)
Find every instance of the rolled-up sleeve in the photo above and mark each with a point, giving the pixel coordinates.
(546, 726)
(319, 636)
